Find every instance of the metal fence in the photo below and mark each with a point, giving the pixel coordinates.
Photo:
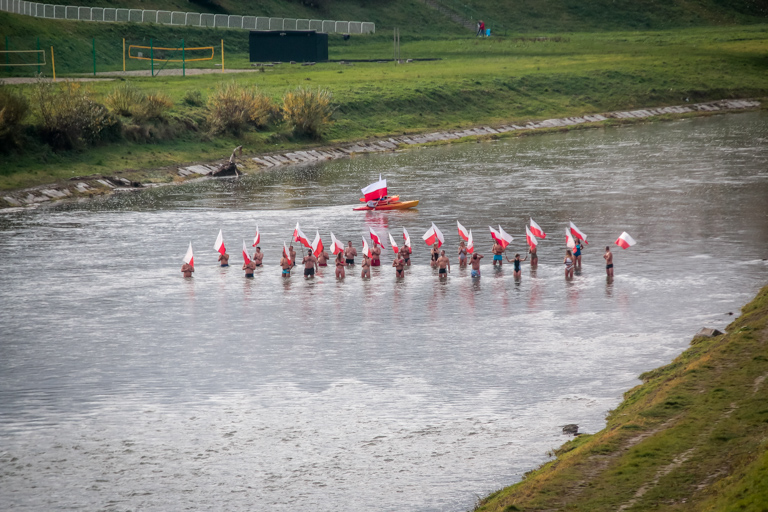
(189, 19)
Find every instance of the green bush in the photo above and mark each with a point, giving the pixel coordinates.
(307, 111)
(14, 108)
(193, 99)
(153, 107)
(127, 101)
(124, 99)
(232, 107)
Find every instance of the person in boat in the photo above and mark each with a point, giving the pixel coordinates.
(224, 259)
(497, 251)
(286, 265)
(187, 269)
(258, 257)
(292, 254)
(577, 255)
(435, 255)
(399, 265)
(568, 261)
(375, 254)
(310, 264)
(322, 259)
(516, 262)
(249, 268)
(366, 265)
(474, 261)
(608, 256)
(462, 254)
(405, 253)
(443, 265)
(340, 264)
(350, 253)
(534, 257)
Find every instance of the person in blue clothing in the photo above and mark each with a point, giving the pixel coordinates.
(577, 255)
(516, 262)
(497, 251)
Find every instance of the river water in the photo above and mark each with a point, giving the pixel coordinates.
(124, 386)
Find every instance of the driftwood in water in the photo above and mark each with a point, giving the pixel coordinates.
(229, 168)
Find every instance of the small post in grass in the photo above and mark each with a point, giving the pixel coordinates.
(93, 42)
(53, 64)
(123, 55)
(222, 55)
(151, 58)
(183, 61)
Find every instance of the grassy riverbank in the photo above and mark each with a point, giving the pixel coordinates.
(693, 436)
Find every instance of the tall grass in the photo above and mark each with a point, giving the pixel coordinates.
(126, 100)
(14, 108)
(306, 111)
(233, 107)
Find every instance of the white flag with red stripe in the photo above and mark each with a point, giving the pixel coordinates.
(299, 236)
(470, 243)
(433, 235)
(286, 254)
(569, 242)
(625, 241)
(257, 238)
(504, 238)
(530, 238)
(189, 258)
(537, 231)
(219, 245)
(407, 240)
(577, 233)
(394, 244)
(245, 254)
(336, 246)
(366, 249)
(375, 238)
(463, 232)
(375, 190)
(317, 245)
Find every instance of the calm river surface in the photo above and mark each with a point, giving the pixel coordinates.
(124, 386)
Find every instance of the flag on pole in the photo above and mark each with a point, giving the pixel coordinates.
(504, 238)
(366, 249)
(299, 236)
(219, 245)
(463, 232)
(286, 254)
(577, 233)
(394, 244)
(530, 238)
(375, 190)
(433, 235)
(317, 245)
(624, 241)
(537, 231)
(569, 242)
(495, 235)
(470, 243)
(336, 246)
(257, 238)
(407, 240)
(189, 258)
(375, 238)
(245, 254)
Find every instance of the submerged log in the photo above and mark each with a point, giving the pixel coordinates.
(229, 168)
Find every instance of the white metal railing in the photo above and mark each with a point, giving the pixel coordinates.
(190, 19)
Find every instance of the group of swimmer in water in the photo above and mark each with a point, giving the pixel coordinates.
(438, 259)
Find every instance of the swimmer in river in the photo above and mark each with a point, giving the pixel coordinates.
(608, 256)
(375, 254)
(497, 251)
(292, 254)
(366, 267)
(187, 269)
(443, 265)
(534, 257)
(322, 259)
(399, 265)
(568, 261)
(224, 259)
(340, 264)
(435, 255)
(516, 262)
(462, 254)
(350, 253)
(286, 265)
(249, 268)
(258, 257)
(310, 264)
(577, 255)
(405, 253)
(475, 262)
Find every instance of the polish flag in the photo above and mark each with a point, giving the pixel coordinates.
(394, 244)
(530, 238)
(219, 245)
(407, 240)
(505, 238)
(624, 241)
(463, 232)
(189, 258)
(257, 238)
(286, 254)
(375, 238)
(317, 245)
(470, 243)
(433, 235)
(576, 232)
(336, 246)
(245, 254)
(366, 249)
(569, 243)
(375, 190)
(537, 231)
(299, 236)
(495, 235)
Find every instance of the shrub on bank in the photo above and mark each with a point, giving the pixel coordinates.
(153, 107)
(233, 107)
(127, 101)
(306, 111)
(123, 99)
(14, 108)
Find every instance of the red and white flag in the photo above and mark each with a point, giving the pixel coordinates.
(530, 238)
(504, 238)
(189, 258)
(219, 245)
(463, 232)
(433, 235)
(375, 190)
(375, 238)
(407, 240)
(299, 236)
(317, 245)
(470, 243)
(569, 242)
(495, 235)
(366, 249)
(245, 254)
(394, 244)
(336, 246)
(286, 254)
(257, 238)
(577, 233)
(537, 231)
(624, 241)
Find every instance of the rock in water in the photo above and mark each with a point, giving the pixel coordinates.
(707, 332)
(571, 429)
